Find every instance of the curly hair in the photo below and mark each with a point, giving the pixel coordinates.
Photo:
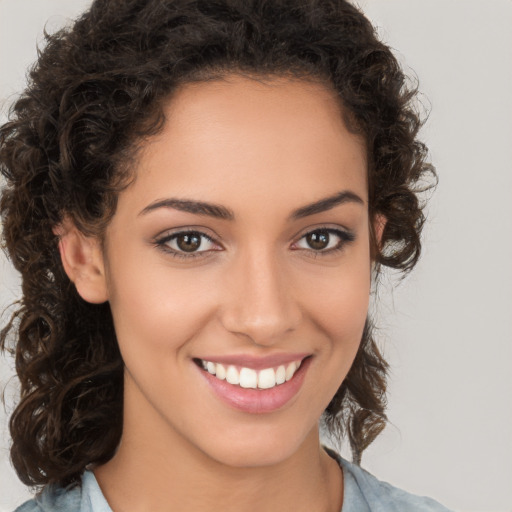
(95, 92)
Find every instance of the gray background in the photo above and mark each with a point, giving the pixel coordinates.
(447, 330)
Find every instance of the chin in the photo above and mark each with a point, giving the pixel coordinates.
(259, 449)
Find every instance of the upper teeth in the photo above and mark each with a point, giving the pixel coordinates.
(249, 378)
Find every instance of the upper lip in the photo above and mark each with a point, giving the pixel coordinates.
(254, 362)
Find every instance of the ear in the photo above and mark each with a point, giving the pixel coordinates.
(377, 229)
(379, 223)
(82, 259)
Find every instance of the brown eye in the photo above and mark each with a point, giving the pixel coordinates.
(324, 241)
(318, 240)
(188, 242)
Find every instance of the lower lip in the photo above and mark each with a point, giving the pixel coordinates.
(258, 401)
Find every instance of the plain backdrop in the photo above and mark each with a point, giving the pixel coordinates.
(447, 329)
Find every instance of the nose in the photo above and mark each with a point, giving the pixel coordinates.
(260, 302)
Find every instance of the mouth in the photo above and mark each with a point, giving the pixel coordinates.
(249, 378)
(257, 387)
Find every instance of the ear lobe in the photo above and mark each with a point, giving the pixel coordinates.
(82, 259)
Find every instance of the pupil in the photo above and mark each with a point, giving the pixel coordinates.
(189, 242)
(318, 240)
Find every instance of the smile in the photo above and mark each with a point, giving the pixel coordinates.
(255, 385)
(248, 378)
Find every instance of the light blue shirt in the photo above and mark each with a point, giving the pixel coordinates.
(362, 493)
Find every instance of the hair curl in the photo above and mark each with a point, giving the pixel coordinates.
(96, 90)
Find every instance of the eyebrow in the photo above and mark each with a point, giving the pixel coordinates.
(221, 212)
(190, 206)
(326, 204)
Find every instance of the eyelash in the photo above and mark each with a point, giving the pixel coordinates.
(163, 244)
(345, 237)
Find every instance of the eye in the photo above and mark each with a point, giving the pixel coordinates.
(187, 243)
(324, 240)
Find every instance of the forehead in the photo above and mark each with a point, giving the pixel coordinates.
(266, 137)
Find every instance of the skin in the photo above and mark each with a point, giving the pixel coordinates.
(263, 150)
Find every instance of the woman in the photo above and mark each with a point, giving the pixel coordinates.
(199, 195)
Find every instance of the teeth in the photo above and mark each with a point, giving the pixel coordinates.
(267, 379)
(290, 370)
(249, 378)
(220, 371)
(232, 375)
(281, 375)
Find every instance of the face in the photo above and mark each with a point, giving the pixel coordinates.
(238, 269)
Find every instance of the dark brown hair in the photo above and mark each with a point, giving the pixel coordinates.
(95, 91)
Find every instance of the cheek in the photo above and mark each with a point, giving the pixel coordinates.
(338, 306)
(341, 320)
(156, 309)
(338, 300)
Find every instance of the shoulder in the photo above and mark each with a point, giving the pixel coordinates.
(54, 499)
(364, 492)
(86, 497)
